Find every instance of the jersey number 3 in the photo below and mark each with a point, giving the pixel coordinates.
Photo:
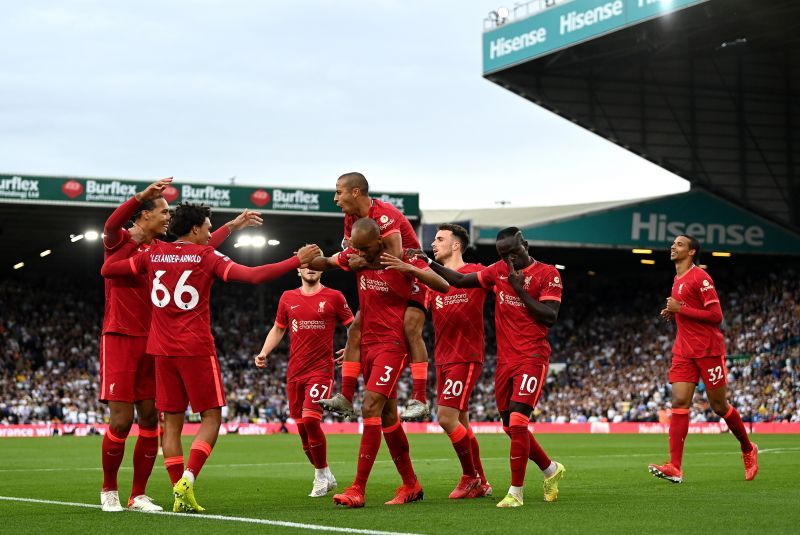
(160, 296)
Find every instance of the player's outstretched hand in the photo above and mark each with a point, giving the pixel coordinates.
(667, 315)
(339, 357)
(153, 190)
(355, 262)
(261, 360)
(248, 218)
(392, 262)
(416, 254)
(307, 253)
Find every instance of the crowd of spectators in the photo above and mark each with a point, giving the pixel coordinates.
(609, 363)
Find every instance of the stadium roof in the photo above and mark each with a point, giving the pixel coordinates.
(706, 89)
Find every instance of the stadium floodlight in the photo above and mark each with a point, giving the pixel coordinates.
(647, 261)
(642, 251)
(19, 265)
(703, 266)
(45, 253)
(258, 241)
(502, 13)
(559, 266)
(73, 238)
(274, 242)
(91, 235)
(721, 254)
(244, 241)
(591, 273)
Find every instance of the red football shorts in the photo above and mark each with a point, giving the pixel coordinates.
(455, 382)
(712, 370)
(127, 372)
(181, 381)
(381, 366)
(521, 382)
(305, 392)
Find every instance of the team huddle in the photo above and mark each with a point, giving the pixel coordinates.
(145, 366)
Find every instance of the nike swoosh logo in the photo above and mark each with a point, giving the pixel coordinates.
(515, 458)
(295, 306)
(381, 384)
(450, 397)
(149, 456)
(503, 278)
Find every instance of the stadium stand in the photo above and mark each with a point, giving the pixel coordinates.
(616, 353)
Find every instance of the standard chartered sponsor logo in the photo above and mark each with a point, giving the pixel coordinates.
(299, 200)
(209, 195)
(19, 188)
(114, 191)
(577, 20)
(658, 228)
(502, 46)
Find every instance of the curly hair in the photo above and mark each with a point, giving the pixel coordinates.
(187, 216)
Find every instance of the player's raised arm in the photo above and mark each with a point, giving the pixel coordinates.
(230, 271)
(112, 230)
(324, 263)
(248, 218)
(113, 269)
(545, 312)
(453, 278)
(425, 276)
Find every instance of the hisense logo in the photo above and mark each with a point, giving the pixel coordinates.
(658, 228)
(576, 20)
(502, 46)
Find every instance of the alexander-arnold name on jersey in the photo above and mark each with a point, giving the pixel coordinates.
(176, 258)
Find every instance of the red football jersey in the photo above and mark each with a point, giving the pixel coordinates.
(390, 220)
(383, 296)
(311, 320)
(519, 335)
(180, 275)
(696, 339)
(458, 322)
(127, 307)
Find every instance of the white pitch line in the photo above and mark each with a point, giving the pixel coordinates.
(304, 463)
(246, 520)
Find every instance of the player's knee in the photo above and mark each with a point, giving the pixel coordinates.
(371, 407)
(447, 420)
(413, 322)
(720, 407)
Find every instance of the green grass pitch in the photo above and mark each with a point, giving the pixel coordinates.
(607, 488)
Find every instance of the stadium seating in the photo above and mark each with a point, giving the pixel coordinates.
(616, 353)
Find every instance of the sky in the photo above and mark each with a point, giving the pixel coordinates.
(287, 93)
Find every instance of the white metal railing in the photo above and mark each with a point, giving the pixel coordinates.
(503, 15)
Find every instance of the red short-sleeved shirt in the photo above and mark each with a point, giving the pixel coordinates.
(311, 320)
(458, 322)
(519, 336)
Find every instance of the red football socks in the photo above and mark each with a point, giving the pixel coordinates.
(520, 447)
(537, 454)
(398, 448)
(113, 450)
(197, 456)
(317, 444)
(370, 444)
(678, 429)
(736, 425)
(476, 455)
(144, 457)
(350, 371)
(174, 468)
(419, 373)
(461, 443)
(301, 430)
